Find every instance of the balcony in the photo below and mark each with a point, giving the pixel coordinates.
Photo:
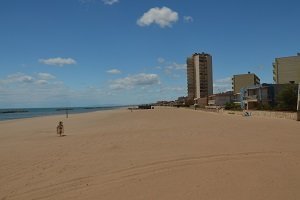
(211, 102)
(251, 98)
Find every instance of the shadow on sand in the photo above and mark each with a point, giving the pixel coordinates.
(62, 135)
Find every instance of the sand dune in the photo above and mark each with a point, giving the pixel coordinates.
(162, 154)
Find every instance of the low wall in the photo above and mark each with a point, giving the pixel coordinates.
(231, 112)
(259, 113)
(273, 114)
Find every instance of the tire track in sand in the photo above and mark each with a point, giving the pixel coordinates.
(142, 171)
(51, 190)
(98, 181)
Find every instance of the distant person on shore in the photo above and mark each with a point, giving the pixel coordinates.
(60, 128)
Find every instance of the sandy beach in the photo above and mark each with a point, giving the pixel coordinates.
(161, 154)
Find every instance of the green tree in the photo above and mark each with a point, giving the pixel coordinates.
(232, 106)
(287, 98)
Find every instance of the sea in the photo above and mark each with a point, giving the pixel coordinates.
(20, 113)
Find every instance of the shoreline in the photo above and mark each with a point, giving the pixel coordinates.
(52, 112)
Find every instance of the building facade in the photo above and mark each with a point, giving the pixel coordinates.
(199, 76)
(258, 95)
(262, 96)
(221, 99)
(244, 80)
(287, 69)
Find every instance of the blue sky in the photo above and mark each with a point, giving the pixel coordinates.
(96, 52)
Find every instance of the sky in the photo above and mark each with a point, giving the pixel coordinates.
(57, 53)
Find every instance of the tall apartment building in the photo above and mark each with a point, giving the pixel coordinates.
(287, 69)
(244, 80)
(199, 76)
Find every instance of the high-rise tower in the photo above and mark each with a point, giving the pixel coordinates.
(199, 76)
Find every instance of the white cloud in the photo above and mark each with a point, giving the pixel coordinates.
(169, 92)
(23, 90)
(41, 82)
(114, 71)
(107, 2)
(222, 85)
(45, 76)
(164, 17)
(226, 80)
(110, 2)
(16, 91)
(135, 80)
(188, 19)
(160, 60)
(58, 61)
(176, 66)
(171, 68)
(86, 1)
(18, 77)
(173, 89)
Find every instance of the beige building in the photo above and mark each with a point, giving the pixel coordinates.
(244, 80)
(220, 99)
(199, 76)
(287, 70)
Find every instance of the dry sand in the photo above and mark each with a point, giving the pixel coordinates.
(160, 154)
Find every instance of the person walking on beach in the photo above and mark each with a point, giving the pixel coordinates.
(60, 128)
